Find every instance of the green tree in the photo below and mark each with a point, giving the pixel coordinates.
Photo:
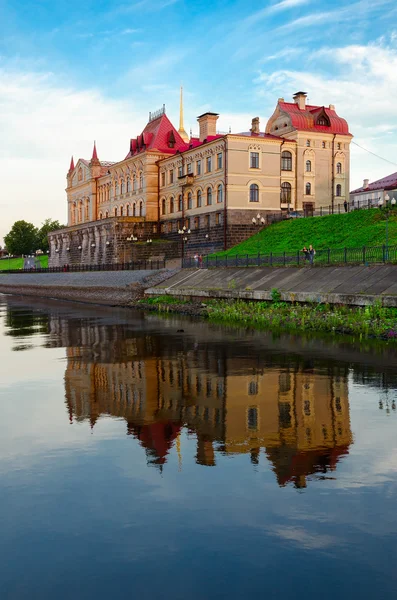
(42, 239)
(22, 239)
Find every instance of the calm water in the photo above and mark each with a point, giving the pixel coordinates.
(141, 461)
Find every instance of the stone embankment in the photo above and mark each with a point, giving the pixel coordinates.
(114, 288)
(353, 285)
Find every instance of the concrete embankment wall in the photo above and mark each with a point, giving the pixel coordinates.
(115, 288)
(355, 285)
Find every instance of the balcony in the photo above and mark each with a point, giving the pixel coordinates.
(187, 179)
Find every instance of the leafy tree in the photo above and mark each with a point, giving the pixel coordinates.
(22, 239)
(48, 226)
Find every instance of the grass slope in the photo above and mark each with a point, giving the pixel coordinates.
(352, 230)
(17, 263)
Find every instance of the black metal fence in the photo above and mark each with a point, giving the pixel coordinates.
(335, 209)
(329, 256)
(142, 265)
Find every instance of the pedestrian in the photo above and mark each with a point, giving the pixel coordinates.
(196, 260)
(312, 254)
(306, 253)
(200, 261)
(345, 204)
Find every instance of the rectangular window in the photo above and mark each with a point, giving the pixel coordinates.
(163, 179)
(252, 418)
(198, 167)
(219, 160)
(209, 164)
(180, 171)
(189, 168)
(207, 221)
(254, 160)
(172, 176)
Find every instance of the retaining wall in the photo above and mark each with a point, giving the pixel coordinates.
(355, 285)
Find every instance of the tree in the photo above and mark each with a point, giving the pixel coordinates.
(22, 239)
(42, 239)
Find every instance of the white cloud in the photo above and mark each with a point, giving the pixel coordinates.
(42, 124)
(273, 9)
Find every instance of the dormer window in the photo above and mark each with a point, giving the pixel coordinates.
(308, 143)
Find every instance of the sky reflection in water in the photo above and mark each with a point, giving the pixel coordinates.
(209, 463)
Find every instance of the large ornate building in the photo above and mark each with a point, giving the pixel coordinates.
(212, 184)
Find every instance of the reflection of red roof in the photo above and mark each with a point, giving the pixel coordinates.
(307, 119)
(386, 183)
(156, 438)
(157, 135)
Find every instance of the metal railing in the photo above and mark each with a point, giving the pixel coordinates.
(328, 256)
(336, 209)
(142, 265)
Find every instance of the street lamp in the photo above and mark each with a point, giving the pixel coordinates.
(387, 209)
(260, 222)
(183, 233)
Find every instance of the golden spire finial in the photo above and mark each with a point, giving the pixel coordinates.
(181, 129)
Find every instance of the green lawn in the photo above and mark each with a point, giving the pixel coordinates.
(353, 230)
(17, 263)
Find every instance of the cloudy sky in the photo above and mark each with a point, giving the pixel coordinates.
(72, 72)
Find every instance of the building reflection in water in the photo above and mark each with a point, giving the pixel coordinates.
(299, 418)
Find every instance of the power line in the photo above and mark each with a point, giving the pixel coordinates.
(373, 154)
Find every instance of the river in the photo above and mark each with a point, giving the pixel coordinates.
(151, 457)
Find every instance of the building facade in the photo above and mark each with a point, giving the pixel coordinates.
(204, 193)
(372, 193)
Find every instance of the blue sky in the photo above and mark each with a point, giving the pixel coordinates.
(72, 72)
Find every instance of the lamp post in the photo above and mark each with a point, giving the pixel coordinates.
(260, 222)
(184, 235)
(387, 209)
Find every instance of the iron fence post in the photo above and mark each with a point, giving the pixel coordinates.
(345, 254)
(271, 258)
(284, 258)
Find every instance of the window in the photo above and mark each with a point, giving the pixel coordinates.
(286, 161)
(308, 143)
(339, 168)
(163, 206)
(207, 221)
(209, 196)
(180, 202)
(128, 210)
(339, 190)
(199, 201)
(219, 160)
(196, 222)
(338, 146)
(141, 208)
(323, 144)
(172, 176)
(115, 212)
(106, 215)
(308, 166)
(128, 185)
(163, 179)
(219, 193)
(198, 167)
(218, 219)
(121, 211)
(254, 192)
(134, 210)
(134, 183)
(122, 187)
(189, 200)
(116, 189)
(209, 164)
(285, 192)
(171, 205)
(254, 160)
(306, 408)
(252, 418)
(308, 190)
(253, 388)
(323, 121)
(180, 171)
(141, 180)
(284, 414)
(189, 168)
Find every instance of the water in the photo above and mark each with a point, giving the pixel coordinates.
(139, 460)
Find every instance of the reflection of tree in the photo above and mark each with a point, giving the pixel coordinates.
(24, 323)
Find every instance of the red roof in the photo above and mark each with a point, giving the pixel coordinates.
(306, 119)
(387, 183)
(159, 134)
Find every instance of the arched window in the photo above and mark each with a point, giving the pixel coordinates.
(308, 189)
(339, 146)
(115, 212)
(199, 200)
(339, 190)
(116, 189)
(121, 211)
(128, 184)
(163, 206)
(323, 121)
(134, 183)
(209, 196)
(80, 211)
(128, 210)
(122, 187)
(189, 200)
(308, 143)
(141, 180)
(180, 202)
(254, 192)
(106, 215)
(171, 205)
(134, 210)
(285, 192)
(141, 208)
(100, 215)
(219, 193)
(323, 144)
(339, 168)
(308, 166)
(286, 161)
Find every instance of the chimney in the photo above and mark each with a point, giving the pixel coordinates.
(207, 125)
(366, 183)
(255, 126)
(300, 100)
(332, 107)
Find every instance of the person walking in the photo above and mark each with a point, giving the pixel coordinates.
(306, 253)
(312, 254)
(345, 204)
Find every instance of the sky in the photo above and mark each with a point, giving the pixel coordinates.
(73, 72)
